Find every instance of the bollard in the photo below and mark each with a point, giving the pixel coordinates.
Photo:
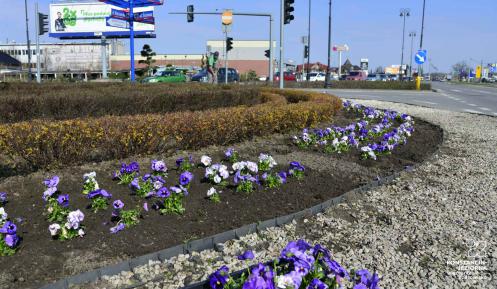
(418, 83)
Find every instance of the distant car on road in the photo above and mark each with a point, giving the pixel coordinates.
(288, 76)
(392, 77)
(317, 76)
(168, 76)
(382, 77)
(202, 76)
(356, 75)
(372, 77)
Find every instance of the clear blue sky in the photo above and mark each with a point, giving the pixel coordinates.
(455, 30)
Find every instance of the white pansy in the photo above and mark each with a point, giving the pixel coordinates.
(54, 229)
(89, 176)
(239, 166)
(211, 192)
(251, 166)
(217, 179)
(206, 161)
(3, 214)
(81, 233)
(209, 172)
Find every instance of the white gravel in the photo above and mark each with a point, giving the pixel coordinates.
(418, 232)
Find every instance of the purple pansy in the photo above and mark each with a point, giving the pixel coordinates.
(219, 278)
(11, 240)
(8, 228)
(185, 178)
(3, 198)
(63, 200)
(158, 166)
(297, 166)
(49, 192)
(247, 255)
(163, 192)
(99, 193)
(118, 204)
(52, 182)
(119, 227)
(317, 284)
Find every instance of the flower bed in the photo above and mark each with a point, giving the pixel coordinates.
(300, 265)
(58, 101)
(179, 199)
(42, 144)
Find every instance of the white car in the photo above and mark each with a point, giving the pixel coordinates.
(317, 76)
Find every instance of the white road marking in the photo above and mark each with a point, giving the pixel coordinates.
(495, 113)
(455, 90)
(484, 108)
(485, 92)
(472, 104)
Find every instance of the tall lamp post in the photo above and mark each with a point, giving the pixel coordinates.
(420, 66)
(27, 39)
(412, 34)
(309, 44)
(327, 78)
(404, 13)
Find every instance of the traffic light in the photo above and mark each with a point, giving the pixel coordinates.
(42, 23)
(267, 53)
(189, 13)
(306, 51)
(229, 43)
(289, 11)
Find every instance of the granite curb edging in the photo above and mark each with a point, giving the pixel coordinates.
(211, 241)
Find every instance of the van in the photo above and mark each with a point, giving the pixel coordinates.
(357, 75)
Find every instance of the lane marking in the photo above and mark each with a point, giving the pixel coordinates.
(455, 90)
(473, 111)
(485, 92)
(472, 104)
(423, 101)
(495, 113)
(484, 108)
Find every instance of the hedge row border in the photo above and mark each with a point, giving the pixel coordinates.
(212, 241)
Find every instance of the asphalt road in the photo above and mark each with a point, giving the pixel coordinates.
(453, 97)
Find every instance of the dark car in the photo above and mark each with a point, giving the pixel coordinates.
(202, 76)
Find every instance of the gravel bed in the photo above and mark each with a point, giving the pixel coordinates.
(425, 230)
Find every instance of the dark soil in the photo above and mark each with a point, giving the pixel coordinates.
(41, 260)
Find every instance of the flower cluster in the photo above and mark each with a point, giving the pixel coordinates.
(124, 218)
(66, 224)
(185, 164)
(159, 168)
(231, 155)
(266, 162)
(245, 176)
(99, 199)
(127, 173)
(9, 240)
(90, 183)
(300, 266)
(376, 134)
(217, 174)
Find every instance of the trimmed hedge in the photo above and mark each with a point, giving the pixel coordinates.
(350, 84)
(46, 144)
(58, 101)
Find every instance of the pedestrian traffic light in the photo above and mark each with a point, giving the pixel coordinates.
(267, 53)
(306, 51)
(289, 11)
(42, 23)
(189, 13)
(229, 43)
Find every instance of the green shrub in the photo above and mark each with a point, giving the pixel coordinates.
(46, 144)
(23, 102)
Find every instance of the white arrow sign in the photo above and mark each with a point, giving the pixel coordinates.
(119, 23)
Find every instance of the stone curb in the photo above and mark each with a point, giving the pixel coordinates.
(211, 241)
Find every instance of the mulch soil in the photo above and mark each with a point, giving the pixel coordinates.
(41, 260)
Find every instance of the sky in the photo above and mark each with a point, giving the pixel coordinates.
(455, 30)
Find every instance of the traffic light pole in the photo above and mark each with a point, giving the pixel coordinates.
(271, 58)
(282, 25)
(132, 40)
(38, 58)
(226, 56)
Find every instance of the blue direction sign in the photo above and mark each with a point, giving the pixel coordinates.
(420, 57)
(119, 14)
(115, 22)
(144, 17)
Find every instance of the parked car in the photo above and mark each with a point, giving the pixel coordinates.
(317, 76)
(166, 76)
(233, 75)
(202, 76)
(382, 77)
(392, 77)
(373, 77)
(357, 75)
(288, 76)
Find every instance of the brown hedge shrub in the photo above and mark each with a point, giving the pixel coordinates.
(46, 144)
(58, 101)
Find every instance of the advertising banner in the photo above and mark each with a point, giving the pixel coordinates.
(91, 20)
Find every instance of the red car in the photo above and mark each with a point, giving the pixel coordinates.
(289, 76)
(357, 75)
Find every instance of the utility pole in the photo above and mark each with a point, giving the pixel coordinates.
(271, 57)
(309, 44)
(404, 13)
(27, 39)
(38, 58)
(282, 23)
(327, 78)
(104, 57)
(422, 35)
(412, 34)
(132, 40)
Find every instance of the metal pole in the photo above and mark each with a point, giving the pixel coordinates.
(132, 40)
(412, 35)
(327, 78)
(420, 66)
(339, 64)
(104, 58)
(271, 57)
(282, 19)
(38, 58)
(404, 15)
(309, 44)
(27, 37)
(226, 58)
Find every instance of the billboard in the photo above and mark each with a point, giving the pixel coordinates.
(93, 20)
(364, 64)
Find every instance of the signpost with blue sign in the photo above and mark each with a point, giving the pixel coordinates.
(420, 57)
(130, 17)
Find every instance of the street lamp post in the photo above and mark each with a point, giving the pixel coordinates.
(404, 13)
(309, 44)
(327, 78)
(27, 39)
(412, 34)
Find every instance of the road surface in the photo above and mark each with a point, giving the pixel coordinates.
(453, 97)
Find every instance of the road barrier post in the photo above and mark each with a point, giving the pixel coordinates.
(418, 83)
